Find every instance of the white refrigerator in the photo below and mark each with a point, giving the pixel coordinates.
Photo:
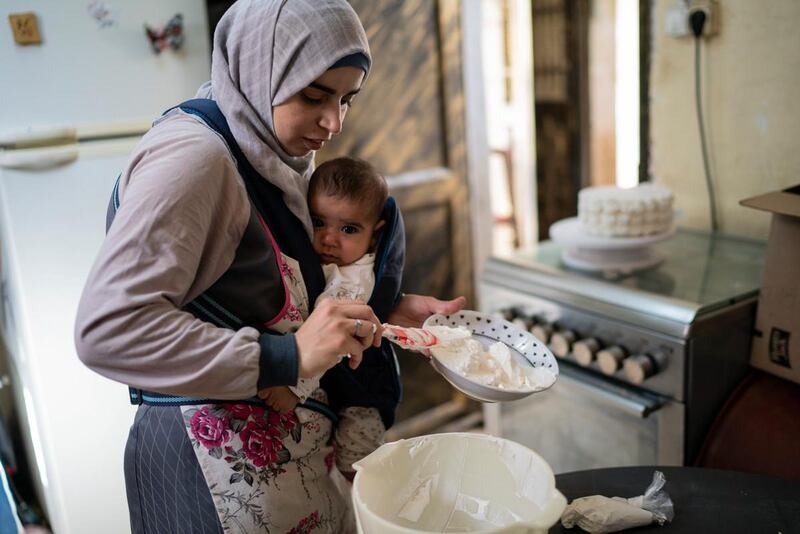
(71, 110)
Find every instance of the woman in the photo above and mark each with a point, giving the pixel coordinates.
(200, 291)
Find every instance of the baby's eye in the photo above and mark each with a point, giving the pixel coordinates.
(349, 101)
(317, 222)
(349, 229)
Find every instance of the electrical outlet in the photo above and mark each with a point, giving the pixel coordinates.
(676, 22)
(711, 9)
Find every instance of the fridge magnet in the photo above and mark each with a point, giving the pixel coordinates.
(170, 36)
(102, 13)
(25, 27)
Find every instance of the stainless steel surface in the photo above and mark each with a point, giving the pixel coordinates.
(673, 342)
(606, 329)
(696, 278)
(574, 426)
(621, 399)
(658, 313)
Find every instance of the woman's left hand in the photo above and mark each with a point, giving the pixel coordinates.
(412, 310)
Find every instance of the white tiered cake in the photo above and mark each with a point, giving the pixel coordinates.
(638, 211)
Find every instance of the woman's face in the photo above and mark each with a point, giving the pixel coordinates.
(311, 117)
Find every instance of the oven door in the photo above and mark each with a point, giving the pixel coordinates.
(585, 422)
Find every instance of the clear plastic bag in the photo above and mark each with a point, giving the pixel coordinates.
(656, 500)
(599, 514)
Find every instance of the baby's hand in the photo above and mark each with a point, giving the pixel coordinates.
(280, 398)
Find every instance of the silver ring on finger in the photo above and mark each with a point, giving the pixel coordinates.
(357, 327)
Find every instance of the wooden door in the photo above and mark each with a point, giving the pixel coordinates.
(561, 100)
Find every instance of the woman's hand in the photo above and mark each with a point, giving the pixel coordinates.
(333, 330)
(412, 310)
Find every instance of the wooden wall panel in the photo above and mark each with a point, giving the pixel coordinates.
(409, 122)
(561, 132)
(395, 123)
(425, 198)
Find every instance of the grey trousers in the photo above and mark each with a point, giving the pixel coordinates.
(167, 492)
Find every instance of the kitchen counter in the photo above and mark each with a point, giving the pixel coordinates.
(705, 500)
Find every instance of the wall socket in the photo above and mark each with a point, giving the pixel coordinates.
(677, 18)
(711, 9)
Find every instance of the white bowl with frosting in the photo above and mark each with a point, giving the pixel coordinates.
(498, 362)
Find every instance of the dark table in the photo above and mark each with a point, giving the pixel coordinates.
(705, 500)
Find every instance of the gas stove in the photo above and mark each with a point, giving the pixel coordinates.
(668, 342)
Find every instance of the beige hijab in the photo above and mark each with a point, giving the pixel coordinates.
(265, 51)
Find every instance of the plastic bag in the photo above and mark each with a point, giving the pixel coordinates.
(656, 500)
(600, 514)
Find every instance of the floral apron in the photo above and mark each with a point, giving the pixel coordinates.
(267, 471)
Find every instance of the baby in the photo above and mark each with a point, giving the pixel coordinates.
(346, 197)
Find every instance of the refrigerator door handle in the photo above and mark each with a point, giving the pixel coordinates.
(38, 158)
(36, 137)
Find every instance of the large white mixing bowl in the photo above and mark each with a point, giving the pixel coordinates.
(455, 482)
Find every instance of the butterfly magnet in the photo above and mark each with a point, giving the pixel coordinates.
(170, 36)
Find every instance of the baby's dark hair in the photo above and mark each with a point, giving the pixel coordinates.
(353, 179)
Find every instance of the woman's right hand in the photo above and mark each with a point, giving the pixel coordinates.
(333, 329)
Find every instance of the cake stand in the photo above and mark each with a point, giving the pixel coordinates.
(589, 252)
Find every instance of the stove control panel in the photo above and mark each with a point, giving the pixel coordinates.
(596, 343)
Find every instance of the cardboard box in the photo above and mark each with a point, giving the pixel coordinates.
(776, 343)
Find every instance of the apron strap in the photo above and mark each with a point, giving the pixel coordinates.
(151, 398)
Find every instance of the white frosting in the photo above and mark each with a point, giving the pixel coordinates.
(446, 334)
(495, 367)
(612, 211)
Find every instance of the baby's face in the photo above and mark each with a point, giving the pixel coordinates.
(343, 229)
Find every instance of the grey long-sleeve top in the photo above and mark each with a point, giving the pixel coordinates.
(183, 211)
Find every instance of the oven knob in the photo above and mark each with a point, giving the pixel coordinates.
(585, 350)
(639, 367)
(542, 331)
(610, 359)
(507, 313)
(523, 321)
(561, 342)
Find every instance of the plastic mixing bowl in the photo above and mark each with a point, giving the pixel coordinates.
(455, 482)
